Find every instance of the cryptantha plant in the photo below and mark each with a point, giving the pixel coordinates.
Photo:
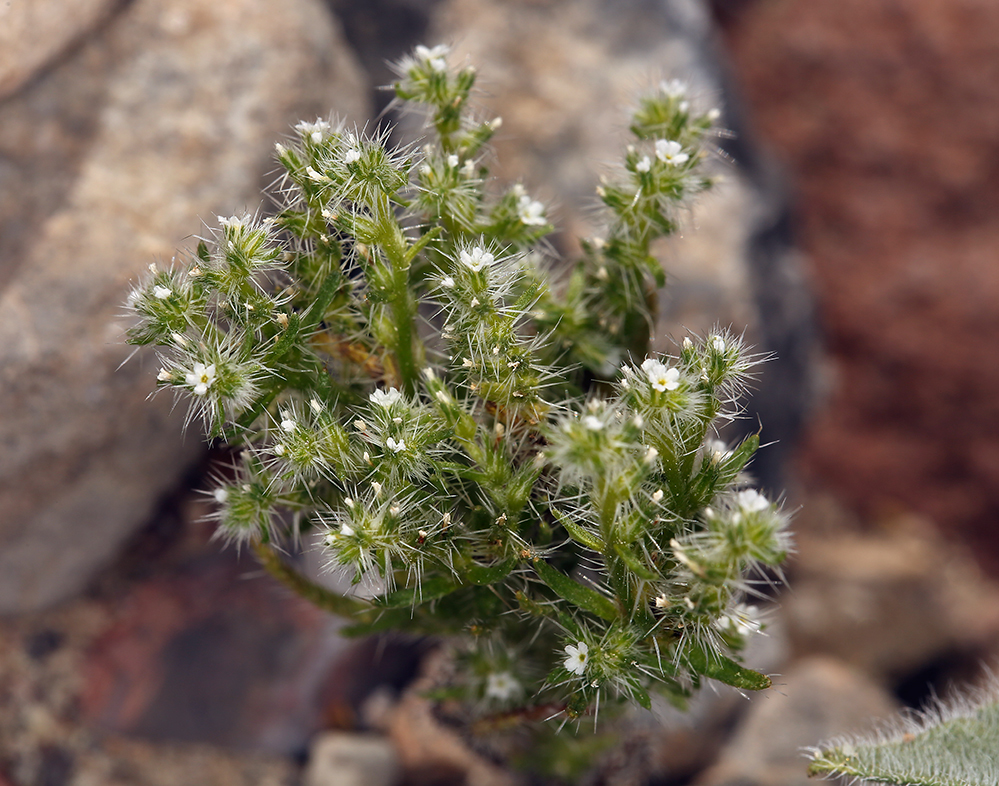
(397, 370)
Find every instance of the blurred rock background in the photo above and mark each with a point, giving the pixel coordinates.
(853, 236)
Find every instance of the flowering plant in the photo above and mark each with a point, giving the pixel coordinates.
(400, 374)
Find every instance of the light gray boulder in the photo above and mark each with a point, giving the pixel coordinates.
(33, 33)
(817, 699)
(178, 103)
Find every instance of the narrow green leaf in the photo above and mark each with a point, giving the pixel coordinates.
(726, 670)
(574, 592)
(639, 694)
(634, 562)
(489, 574)
(429, 589)
(578, 534)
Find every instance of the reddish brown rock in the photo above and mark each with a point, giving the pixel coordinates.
(887, 115)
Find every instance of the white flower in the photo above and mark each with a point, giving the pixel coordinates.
(221, 494)
(657, 495)
(673, 88)
(164, 375)
(660, 377)
(436, 57)
(161, 293)
(352, 155)
(447, 282)
(592, 423)
(346, 530)
(385, 398)
(578, 656)
(742, 620)
(476, 259)
(531, 212)
(670, 152)
(395, 446)
(502, 686)
(287, 424)
(315, 131)
(644, 165)
(718, 343)
(717, 450)
(751, 501)
(201, 378)
(452, 161)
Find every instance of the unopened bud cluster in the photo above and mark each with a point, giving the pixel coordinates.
(400, 376)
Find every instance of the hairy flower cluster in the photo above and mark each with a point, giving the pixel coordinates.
(399, 377)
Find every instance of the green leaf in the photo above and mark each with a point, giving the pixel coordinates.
(635, 563)
(576, 593)
(639, 694)
(489, 574)
(429, 589)
(949, 744)
(726, 670)
(577, 533)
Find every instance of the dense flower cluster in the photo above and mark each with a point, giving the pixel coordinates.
(400, 376)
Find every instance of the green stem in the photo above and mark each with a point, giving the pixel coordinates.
(356, 610)
(407, 349)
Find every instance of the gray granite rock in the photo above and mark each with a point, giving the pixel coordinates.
(178, 103)
(891, 603)
(33, 33)
(817, 699)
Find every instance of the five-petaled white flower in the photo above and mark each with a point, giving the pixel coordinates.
(502, 686)
(352, 155)
(476, 259)
(161, 293)
(531, 212)
(673, 88)
(644, 165)
(396, 446)
(660, 377)
(751, 501)
(385, 398)
(201, 378)
(578, 657)
(315, 131)
(670, 152)
(436, 57)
